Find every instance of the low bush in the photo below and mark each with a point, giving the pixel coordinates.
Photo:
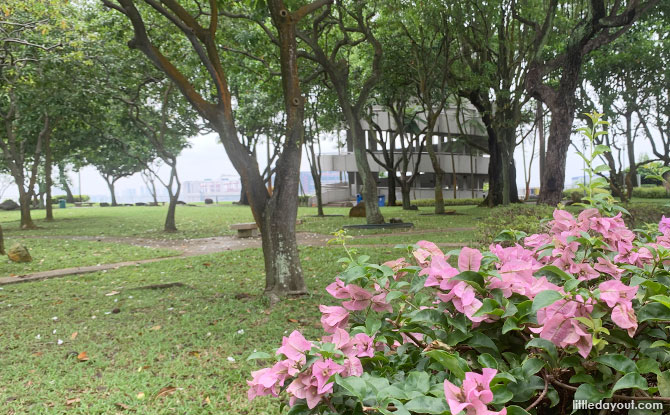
(645, 213)
(651, 192)
(518, 217)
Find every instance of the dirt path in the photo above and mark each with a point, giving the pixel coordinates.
(189, 248)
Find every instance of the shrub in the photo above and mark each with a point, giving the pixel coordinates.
(518, 217)
(651, 192)
(447, 202)
(208, 201)
(577, 313)
(645, 213)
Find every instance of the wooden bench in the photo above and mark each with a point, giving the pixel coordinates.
(247, 230)
(80, 204)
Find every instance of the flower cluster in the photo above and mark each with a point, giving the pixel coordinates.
(431, 334)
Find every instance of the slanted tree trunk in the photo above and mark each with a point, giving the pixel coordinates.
(48, 165)
(62, 180)
(110, 184)
(173, 187)
(315, 170)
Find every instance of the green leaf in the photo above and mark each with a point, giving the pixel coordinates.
(545, 345)
(427, 405)
(617, 362)
(486, 360)
(516, 410)
(501, 394)
(473, 278)
(588, 392)
(663, 381)
(488, 305)
(509, 325)
(354, 385)
(417, 381)
(481, 341)
(456, 365)
(545, 298)
(631, 381)
(663, 299)
(393, 295)
(653, 312)
(531, 367)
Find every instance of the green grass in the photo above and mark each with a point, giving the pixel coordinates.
(214, 220)
(179, 337)
(49, 254)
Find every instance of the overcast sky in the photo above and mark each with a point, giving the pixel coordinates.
(206, 159)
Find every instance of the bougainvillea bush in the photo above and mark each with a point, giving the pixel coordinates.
(537, 324)
(578, 313)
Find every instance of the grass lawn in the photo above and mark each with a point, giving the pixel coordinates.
(211, 220)
(55, 253)
(178, 350)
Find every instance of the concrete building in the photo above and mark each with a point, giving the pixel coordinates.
(225, 188)
(459, 145)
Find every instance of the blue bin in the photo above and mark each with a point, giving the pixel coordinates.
(359, 199)
(61, 203)
(382, 200)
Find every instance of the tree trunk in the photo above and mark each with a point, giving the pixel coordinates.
(48, 165)
(170, 222)
(372, 213)
(2, 242)
(25, 198)
(539, 113)
(551, 189)
(437, 169)
(62, 179)
(112, 192)
(632, 163)
(244, 199)
(405, 190)
(391, 200)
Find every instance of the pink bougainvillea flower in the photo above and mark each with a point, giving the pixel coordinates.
(583, 271)
(352, 367)
(615, 292)
(469, 259)
(294, 347)
(537, 240)
(338, 290)
(396, 265)
(664, 225)
(474, 395)
(333, 317)
(624, 317)
(304, 387)
(322, 371)
(439, 273)
(427, 250)
(563, 221)
(264, 382)
(606, 266)
(360, 298)
(379, 303)
(364, 345)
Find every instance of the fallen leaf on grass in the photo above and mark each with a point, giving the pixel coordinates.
(122, 406)
(194, 353)
(155, 328)
(72, 401)
(140, 395)
(292, 320)
(109, 294)
(82, 357)
(207, 264)
(168, 390)
(74, 335)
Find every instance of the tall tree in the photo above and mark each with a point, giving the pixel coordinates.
(206, 87)
(351, 58)
(565, 34)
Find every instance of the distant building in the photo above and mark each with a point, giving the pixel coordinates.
(226, 188)
(458, 150)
